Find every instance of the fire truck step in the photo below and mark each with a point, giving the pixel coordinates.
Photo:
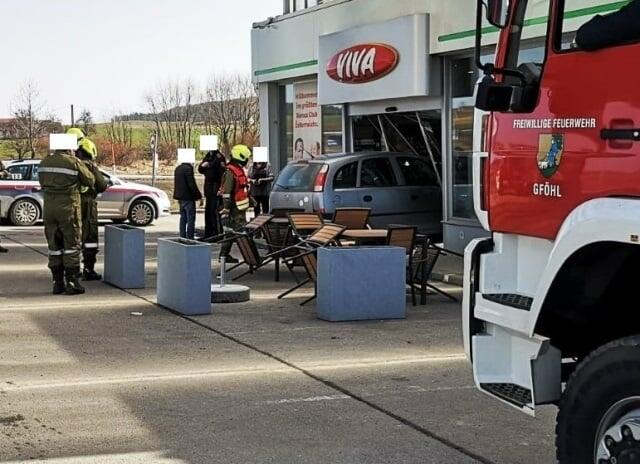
(510, 299)
(509, 392)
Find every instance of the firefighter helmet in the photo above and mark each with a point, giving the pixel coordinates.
(89, 148)
(241, 153)
(77, 132)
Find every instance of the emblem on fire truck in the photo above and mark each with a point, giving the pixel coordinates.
(550, 149)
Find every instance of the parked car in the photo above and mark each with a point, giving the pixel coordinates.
(21, 198)
(400, 188)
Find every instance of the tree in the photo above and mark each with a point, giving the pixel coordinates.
(30, 125)
(230, 110)
(85, 122)
(173, 112)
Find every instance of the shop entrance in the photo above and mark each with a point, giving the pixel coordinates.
(417, 132)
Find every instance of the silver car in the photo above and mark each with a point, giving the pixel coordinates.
(21, 198)
(399, 188)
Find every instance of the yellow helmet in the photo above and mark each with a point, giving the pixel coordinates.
(89, 148)
(77, 132)
(241, 153)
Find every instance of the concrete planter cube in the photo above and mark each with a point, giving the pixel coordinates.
(361, 283)
(184, 276)
(124, 256)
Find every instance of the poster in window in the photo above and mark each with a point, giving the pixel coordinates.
(306, 121)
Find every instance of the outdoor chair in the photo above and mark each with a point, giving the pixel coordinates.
(352, 218)
(326, 235)
(252, 258)
(425, 258)
(405, 237)
(303, 224)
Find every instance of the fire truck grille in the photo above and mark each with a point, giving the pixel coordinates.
(511, 299)
(512, 393)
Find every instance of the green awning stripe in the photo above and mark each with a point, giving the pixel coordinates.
(592, 10)
(287, 67)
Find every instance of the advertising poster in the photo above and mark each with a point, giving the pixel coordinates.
(306, 121)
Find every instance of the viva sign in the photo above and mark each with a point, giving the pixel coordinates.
(362, 63)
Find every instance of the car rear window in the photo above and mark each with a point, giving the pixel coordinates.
(297, 178)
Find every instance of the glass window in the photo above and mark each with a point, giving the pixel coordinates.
(332, 129)
(346, 177)
(297, 177)
(417, 172)
(34, 172)
(367, 134)
(377, 172)
(571, 22)
(288, 122)
(19, 172)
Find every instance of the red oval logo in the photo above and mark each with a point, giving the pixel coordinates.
(362, 63)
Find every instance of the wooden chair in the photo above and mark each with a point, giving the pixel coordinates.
(425, 258)
(352, 218)
(327, 235)
(252, 258)
(303, 224)
(405, 237)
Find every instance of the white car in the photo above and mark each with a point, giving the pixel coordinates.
(21, 198)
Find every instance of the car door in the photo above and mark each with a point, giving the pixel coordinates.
(12, 187)
(422, 194)
(111, 202)
(344, 187)
(378, 190)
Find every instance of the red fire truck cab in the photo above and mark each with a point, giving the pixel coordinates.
(550, 311)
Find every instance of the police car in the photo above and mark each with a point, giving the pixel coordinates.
(21, 198)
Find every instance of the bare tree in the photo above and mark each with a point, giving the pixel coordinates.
(85, 122)
(230, 109)
(30, 124)
(173, 112)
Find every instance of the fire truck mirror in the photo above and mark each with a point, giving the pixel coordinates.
(498, 12)
(493, 96)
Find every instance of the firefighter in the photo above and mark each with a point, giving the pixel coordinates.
(61, 175)
(87, 153)
(235, 195)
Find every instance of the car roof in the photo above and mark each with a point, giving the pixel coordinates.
(338, 157)
(12, 162)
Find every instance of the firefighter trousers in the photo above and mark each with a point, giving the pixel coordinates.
(63, 229)
(89, 213)
(236, 220)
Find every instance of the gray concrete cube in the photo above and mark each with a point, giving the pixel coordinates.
(184, 276)
(124, 256)
(361, 283)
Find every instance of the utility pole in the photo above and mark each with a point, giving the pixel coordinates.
(153, 144)
(73, 121)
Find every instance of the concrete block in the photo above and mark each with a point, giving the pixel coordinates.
(124, 256)
(184, 276)
(361, 283)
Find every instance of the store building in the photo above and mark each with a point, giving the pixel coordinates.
(354, 75)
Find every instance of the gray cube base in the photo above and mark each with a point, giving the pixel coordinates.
(361, 283)
(124, 250)
(184, 276)
(230, 293)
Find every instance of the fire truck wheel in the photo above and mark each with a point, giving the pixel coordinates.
(599, 417)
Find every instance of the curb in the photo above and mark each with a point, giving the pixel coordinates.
(452, 279)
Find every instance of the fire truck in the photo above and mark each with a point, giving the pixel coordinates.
(551, 307)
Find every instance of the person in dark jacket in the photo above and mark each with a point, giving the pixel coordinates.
(212, 167)
(261, 177)
(612, 29)
(186, 191)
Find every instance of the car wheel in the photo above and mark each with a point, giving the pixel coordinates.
(599, 417)
(142, 213)
(25, 212)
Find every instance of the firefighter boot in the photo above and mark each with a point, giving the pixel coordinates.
(58, 280)
(89, 272)
(73, 284)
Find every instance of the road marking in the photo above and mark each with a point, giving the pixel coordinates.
(313, 399)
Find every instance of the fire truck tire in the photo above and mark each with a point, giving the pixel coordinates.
(601, 395)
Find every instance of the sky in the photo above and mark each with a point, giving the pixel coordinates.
(105, 55)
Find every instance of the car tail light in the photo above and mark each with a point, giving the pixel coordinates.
(321, 178)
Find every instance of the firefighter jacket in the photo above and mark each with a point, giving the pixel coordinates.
(235, 188)
(62, 174)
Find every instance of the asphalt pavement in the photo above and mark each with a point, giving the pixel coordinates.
(85, 380)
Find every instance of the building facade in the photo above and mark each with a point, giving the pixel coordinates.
(354, 75)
